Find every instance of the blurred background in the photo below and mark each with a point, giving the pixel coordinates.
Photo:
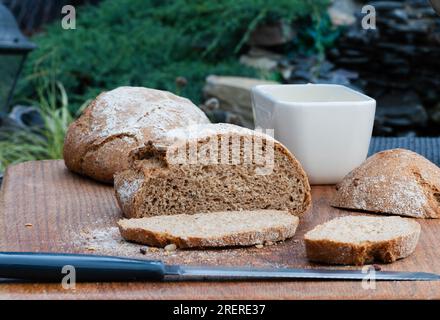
(212, 52)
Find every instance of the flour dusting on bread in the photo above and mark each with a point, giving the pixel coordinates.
(98, 144)
(128, 188)
(395, 181)
(133, 110)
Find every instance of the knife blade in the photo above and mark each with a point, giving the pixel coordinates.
(223, 273)
(43, 267)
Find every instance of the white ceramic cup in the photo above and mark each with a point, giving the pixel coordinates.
(327, 127)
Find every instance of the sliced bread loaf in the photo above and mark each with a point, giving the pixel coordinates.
(213, 167)
(359, 240)
(215, 229)
(395, 181)
(98, 143)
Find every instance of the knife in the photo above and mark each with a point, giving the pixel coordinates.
(48, 267)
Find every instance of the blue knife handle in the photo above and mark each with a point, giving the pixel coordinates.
(87, 268)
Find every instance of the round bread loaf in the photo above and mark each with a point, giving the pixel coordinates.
(395, 181)
(99, 142)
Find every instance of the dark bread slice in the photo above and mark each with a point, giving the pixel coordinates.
(214, 229)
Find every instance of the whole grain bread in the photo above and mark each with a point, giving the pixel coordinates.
(213, 229)
(98, 143)
(361, 240)
(397, 181)
(243, 170)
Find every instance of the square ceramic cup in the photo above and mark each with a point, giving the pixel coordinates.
(327, 127)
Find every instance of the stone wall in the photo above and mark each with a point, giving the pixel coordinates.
(398, 64)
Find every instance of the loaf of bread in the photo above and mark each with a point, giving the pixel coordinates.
(213, 167)
(98, 143)
(212, 229)
(361, 240)
(397, 181)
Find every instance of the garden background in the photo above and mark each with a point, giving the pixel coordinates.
(179, 45)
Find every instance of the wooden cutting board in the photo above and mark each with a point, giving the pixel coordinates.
(43, 207)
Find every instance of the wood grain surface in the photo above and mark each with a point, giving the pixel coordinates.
(43, 207)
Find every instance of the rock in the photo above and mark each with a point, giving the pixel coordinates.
(401, 56)
(261, 59)
(311, 69)
(234, 95)
(274, 34)
(286, 72)
(257, 52)
(170, 247)
(26, 116)
(342, 12)
(218, 116)
(386, 5)
(435, 114)
(401, 110)
(212, 104)
(262, 63)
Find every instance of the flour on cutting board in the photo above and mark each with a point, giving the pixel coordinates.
(108, 241)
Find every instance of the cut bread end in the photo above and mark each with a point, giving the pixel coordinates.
(245, 171)
(214, 229)
(360, 240)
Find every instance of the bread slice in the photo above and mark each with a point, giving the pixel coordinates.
(99, 142)
(360, 240)
(397, 181)
(214, 229)
(243, 170)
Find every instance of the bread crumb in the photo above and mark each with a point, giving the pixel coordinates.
(143, 250)
(269, 243)
(170, 247)
(259, 246)
(29, 225)
(108, 242)
(90, 248)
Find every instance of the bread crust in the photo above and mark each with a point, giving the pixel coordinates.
(346, 253)
(248, 238)
(129, 183)
(98, 143)
(397, 181)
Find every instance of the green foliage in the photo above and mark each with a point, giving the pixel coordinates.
(19, 145)
(151, 42)
(319, 35)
